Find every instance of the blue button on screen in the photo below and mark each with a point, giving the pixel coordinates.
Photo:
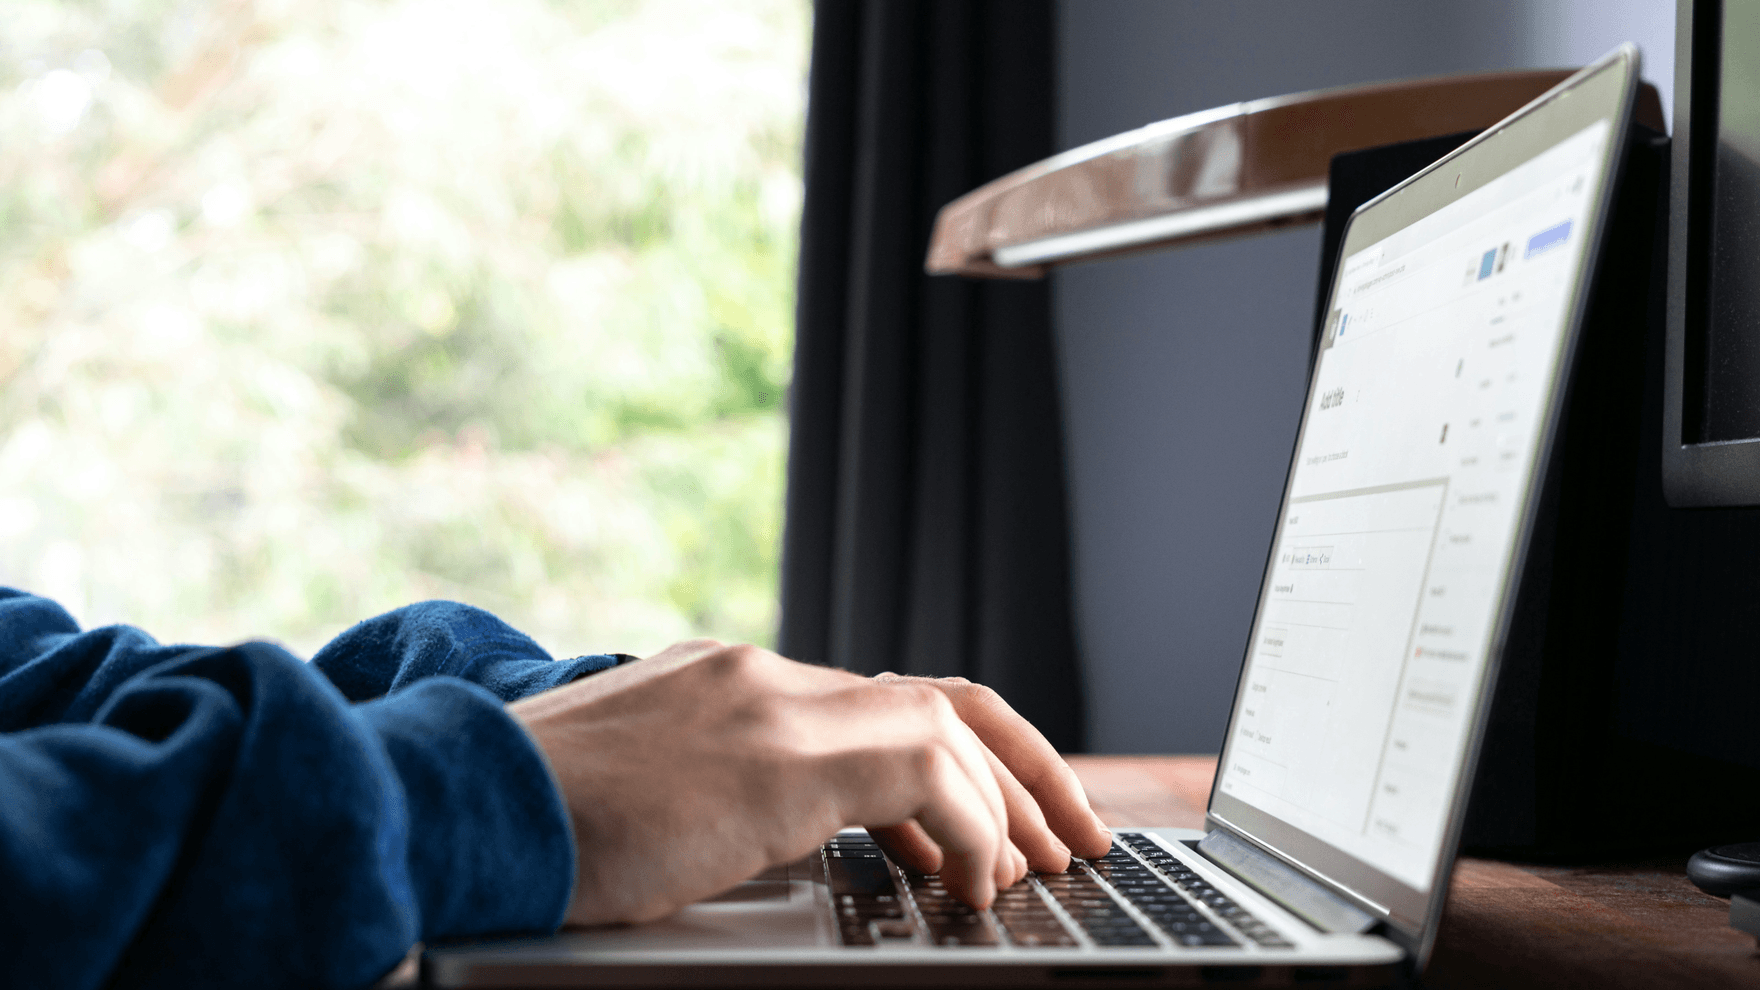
(1548, 238)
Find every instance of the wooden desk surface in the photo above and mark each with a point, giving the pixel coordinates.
(1608, 927)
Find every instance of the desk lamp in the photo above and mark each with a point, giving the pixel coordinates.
(1237, 169)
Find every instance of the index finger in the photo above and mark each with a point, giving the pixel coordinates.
(1033, 761)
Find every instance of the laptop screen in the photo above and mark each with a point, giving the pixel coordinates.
(1401, 525)
(1387, 570)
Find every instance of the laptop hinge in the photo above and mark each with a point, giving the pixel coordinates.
(1294, 890)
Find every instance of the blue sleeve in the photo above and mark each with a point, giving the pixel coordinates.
(182, 816)
(387, 653)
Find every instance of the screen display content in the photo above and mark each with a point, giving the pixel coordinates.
(1431, 395)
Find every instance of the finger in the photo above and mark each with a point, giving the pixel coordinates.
(1033, 762)
(921, 762)
(1013, 869)
(946, 726)
(1003, 868)
(976, 762)
(1040, 848)
(909, 846)
(956, 818)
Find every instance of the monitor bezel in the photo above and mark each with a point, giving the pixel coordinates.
(1696, 474)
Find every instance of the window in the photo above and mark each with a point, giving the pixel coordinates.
(314, 308)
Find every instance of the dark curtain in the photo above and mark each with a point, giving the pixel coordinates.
(926, 524)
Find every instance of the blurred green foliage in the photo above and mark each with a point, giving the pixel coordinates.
(313, 308)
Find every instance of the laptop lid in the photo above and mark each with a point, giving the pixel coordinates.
(1410, 498)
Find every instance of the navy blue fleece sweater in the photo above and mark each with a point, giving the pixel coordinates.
(190, 816)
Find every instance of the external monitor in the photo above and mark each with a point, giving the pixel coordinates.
(1711, 425)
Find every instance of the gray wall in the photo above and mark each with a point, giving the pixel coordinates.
(1184, 372)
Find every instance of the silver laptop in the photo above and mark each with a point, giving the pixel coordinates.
(1343, 781)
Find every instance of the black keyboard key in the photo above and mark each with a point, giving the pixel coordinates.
(969, 931)
(892, 930)
(1176, 916)
(1170, 910)
(859, 876)
(1029, 921)
(856, 911)
(868, 906)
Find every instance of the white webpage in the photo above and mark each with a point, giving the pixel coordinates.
(1409, 481)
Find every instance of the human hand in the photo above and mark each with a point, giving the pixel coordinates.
(704, 764)
(1048, 813)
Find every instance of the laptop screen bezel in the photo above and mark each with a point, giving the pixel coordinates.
(1604, 91)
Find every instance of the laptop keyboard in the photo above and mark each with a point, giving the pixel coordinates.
(1102, 902)
(1177, 921)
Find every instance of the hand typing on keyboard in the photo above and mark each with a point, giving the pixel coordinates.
(704, 764)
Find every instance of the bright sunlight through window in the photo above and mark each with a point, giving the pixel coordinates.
(314, 308)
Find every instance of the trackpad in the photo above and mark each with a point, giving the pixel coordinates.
(770, 885)
(728, 922)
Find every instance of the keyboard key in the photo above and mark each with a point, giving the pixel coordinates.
(859, 876)
(1173, 914)
(968, 930)
(892, 930)
(869, 908)
(1170, 909)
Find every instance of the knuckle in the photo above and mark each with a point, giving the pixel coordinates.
(929, 759)
(941, 707)
(935, 707)
(739, 663)
(772, 715)
(917, 694)
(986, 696)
